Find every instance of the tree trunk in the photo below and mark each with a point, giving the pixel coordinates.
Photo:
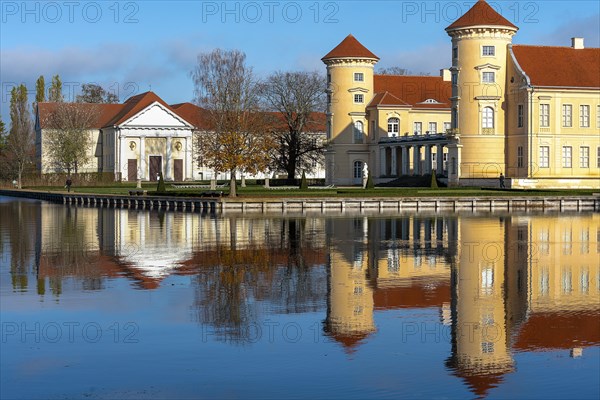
(291, 172)
(232, 185)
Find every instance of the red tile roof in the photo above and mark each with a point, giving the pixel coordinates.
(386, 99)
(413, 90)
(195, 115)
(559, 66)
(481, 14)
(350, 47)
(134, 105)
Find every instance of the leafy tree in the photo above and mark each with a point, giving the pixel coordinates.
(67, 137)
(161, 188)
(369, 184)
(92, 93)
(19, 143)
(55, 94)
(238, 140)
(40, 92)
(434, 184)
(297, 97)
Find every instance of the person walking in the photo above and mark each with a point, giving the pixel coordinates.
(502, 181)
(68, 184)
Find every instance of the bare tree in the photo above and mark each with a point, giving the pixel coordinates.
(68, 138)
(397, 71)
(92, 93)
(297, 97)
(238, 140)
(19, 143)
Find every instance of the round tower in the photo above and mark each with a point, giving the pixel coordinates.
(349, 91)
(480, 40)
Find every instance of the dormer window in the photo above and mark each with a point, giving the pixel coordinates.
(359, 77)
(431, 101)
(489, 51)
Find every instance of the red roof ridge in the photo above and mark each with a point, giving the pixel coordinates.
(554, 47)
(350, 47)
(481, 14)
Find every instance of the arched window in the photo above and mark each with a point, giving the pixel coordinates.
(358, 132)
(393, 126)
(487, 118)
(358, 169)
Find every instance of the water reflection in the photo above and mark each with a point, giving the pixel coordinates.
(502, 284)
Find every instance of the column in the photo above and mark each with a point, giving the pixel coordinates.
(440, 159)
(427, 159)
(416, 160)
(405, 160)
(142, 162)
(168, 162)
(454, 151)
(382, 165)
(189, 160)
(394, 167)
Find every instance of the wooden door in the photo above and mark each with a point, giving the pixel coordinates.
(132, 170)
(155, 167)
(178, 170)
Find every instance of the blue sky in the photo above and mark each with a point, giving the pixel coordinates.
(132, 46)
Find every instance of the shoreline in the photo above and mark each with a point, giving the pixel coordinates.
(284, 205)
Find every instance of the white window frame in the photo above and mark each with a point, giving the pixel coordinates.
(418, 128)
(584, 157)
(447, 126)
(393, 125)
(487, 118)
(357, 170)
(359, 77)
(433, 128)
(567, 157)
(544, 156)
(584, 116)
(544, 115)
(485, 77)
(488, 51)
(359, 98)
(567, 115)
(359, 129)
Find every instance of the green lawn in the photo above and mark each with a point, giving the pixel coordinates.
(255, 191)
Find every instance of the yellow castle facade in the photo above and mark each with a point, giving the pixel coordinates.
(531, 113)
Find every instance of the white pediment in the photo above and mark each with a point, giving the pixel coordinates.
(156, 115)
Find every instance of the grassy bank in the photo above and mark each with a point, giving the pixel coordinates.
(255, 191)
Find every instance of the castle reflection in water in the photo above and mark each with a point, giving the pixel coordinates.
(502, 283)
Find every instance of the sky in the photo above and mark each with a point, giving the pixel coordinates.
(130, 47)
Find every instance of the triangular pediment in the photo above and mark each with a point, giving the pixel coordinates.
(156, 115)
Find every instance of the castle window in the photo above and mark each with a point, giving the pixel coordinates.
(520, 157)
(584, 157)
(358, 169)
(328, 78)
(359, 77)
(567, 153)
(447, 126)
(489, 77)
(359, 98)
(487, 118)
(489, 51)
(598, 157)
(544, 157)
(455, 78)
(433, 128)
(584, 116)
(455, 53)
(520, 115)
(567, 115)
(418, 128)
(544, 115)
(393, 125)
(358, 132)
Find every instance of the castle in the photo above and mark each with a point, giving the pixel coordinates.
(531, 113)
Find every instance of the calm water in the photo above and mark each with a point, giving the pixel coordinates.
(102, 303)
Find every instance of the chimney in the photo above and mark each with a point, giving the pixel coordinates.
(577, 43)
(446, 75)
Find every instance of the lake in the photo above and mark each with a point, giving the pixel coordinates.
(117, 303)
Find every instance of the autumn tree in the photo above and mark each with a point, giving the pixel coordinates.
(92, 93)
(298, 98)
(227, 90)
(55, 94)
(19, 142)
(67, 137)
